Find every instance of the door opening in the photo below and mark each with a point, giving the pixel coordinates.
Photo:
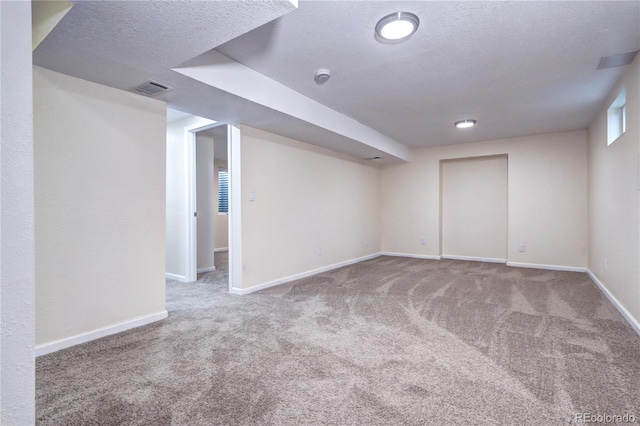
(182, 210)
(214, 150)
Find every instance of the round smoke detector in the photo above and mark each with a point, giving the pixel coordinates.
(322, 75)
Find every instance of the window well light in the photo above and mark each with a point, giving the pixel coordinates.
(396, 27)
(465, 124)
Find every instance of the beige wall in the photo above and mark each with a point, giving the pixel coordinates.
(221, 221)
(45, 15)
(99, 172)
(306, 198)
(614, 213)
(547, 207)
(205, 200)
(474, 207)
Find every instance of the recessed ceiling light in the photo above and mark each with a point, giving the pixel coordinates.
(396, 27)
(465, 124)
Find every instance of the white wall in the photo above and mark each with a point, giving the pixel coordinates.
(474, 207)
(206, 197)
(221, 233)
(547, 198)
(99, 156)
(177, 194)
(17, 370)
(614, 213)
(306, 198)
(176, 201)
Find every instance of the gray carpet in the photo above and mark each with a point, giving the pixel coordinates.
(390, 341)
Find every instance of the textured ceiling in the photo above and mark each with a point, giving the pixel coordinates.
(519, 68)
(124, 43)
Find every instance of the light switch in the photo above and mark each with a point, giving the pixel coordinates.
(252, 195)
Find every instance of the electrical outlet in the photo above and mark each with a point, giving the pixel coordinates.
(522, 248)
(423, 241)
(366, 243)
(319, 251)
(606, 265)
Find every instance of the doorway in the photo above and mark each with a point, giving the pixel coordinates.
(182, 198)
(212, 195)
(230, 135)
(474, 208)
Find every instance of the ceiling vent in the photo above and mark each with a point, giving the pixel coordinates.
(152, 88)
(617, 60)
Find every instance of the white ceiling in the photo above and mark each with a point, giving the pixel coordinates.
(517, 67)
(175, 115)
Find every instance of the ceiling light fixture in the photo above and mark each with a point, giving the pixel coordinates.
(396, 27)
(465, 124)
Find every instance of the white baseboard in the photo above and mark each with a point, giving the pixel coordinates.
(221, 249)
(47, 348)
(474, 259)
(623, 311)
(239, 291)
(175, 277)
(547, 267)
(252, 289)
(208, 269)
(415, 256)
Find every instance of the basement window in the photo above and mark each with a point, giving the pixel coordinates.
(617, 118)
(223, 191)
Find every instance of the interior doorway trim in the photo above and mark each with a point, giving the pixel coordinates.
(235, 214)
(235, 209)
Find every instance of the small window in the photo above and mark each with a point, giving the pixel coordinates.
(223, 191)
(616, 118)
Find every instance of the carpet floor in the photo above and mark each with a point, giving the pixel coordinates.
(389, 341)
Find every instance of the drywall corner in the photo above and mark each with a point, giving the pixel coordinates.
(17, 252)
